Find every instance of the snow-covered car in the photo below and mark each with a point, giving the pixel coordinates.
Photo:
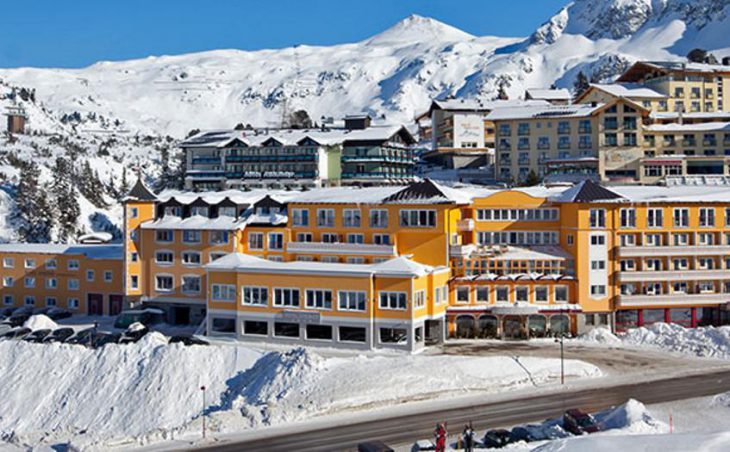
(100, 339)
(188, 339)
(59, 335)
(83, 337)
(521, 433)
(577, 422)
(374, 446)
(148, 316)
(37, 336)
(53, 312)
(134, 333)
(497, 438)
(17, 333)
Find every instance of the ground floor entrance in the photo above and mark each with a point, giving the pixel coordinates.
(510, 326)
(687, 317)
(95, 304)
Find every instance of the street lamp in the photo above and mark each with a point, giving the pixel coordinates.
(202, 388)
(559, 338)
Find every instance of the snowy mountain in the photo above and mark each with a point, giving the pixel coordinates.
(392, 75)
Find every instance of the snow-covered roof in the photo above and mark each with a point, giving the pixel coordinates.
(462, 104)
(239, 197)
(274, 219)
(106, 251)
(544, 112)
(195, 222)
(698, 127)
(675, 193)
(703, 115)
(629, 90)
(396, 267)
(689, 66)
(96, 237)
(546, 253)
(548, 94)
(340, 195)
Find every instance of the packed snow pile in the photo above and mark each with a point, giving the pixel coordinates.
(150, 391)
(709, 341)
(40, 322)
(677, 442)
(631, 417)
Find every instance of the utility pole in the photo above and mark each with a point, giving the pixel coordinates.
(202, 388)
(560, 338)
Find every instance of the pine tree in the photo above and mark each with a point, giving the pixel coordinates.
(33, 214)
(502, 90)
(124, 187)
(581, 84)
(65, 200)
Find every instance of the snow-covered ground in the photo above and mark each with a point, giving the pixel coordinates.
(147, 392)
(709, 342)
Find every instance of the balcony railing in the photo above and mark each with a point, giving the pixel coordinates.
(465, 225)
(364, 249)
(667, 300)
(703, 250)
(674, 275)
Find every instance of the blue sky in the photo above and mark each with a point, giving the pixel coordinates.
(76, 33)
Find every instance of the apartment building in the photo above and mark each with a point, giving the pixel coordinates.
(356, 154)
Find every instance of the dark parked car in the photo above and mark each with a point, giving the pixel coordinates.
(521, 434)
(59, 335)
(374, 446)
(17, 333)
(99, 340)
(129, 337)
(577, 422)
(149, 316)
(83, 337)
(54, 313)
(7, 312)
(497, 438)
(188, 339)
(37, 336)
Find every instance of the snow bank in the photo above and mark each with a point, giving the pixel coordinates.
(707, 341)
(680, 442)
(40, 322)
(631, 417)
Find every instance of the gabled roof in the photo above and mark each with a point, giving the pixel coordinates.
(484, 106)
(587, 191)
(140, 192)
(625, 90)
(638, 69)
(544, 112)
(547, 94)
(427, 192)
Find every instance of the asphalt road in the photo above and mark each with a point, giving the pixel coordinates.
(404, 429)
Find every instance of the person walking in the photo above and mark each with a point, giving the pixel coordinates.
(440, 434)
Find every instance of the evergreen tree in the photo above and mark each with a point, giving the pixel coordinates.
(91, 186)
(124, 187)
(502, 90)
(581, 84)
(33, 214)
(531, 179)
(65, 200)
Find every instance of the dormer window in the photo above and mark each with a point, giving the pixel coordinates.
(199, 210)
(227, 212)
(173, 211)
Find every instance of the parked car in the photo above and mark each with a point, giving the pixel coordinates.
(37, 336)
(188, 339)
(497, 438)
(100, 339)
(4, 328)
(83, 337)
(133, 335)
(578, 422)
(53, 312)
(17, 333)
(148, 316)
(7, 312)
(521, 433)
(374, 446)
(59, 335)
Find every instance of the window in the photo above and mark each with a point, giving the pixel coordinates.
(522, 294)
(285, 329)
(393, 300)
(381, 239)
(214, 256)
(570, 239)
(378, 218)
(227, 212)
(707, 217)
(133, 257)
(29, 282)
(164, 236)
(164, 257)
(218, 237)
(462, 294)
(355, 260)
(680, 239)
(51, 264)
(51, 301)
(223, 325)
(598, 218)
(653, 240)
(680, 217)
(351, 300)
(598, 265)
(627, 239)
(133, 212)
(627, 265)
(351, 218)
(300, 217)
(134, 282)
(352, 334)
(29, 300)
(164, 283)
(598, 290)
(191, 237)
(319, 332)
(502, 294)
(326, 218)
(654, 218)
(174, 211)
(598, 239)
(255, 296)
(9, 262)
(706, 238)
(286, 297)
(199, 210)
(51, 283)
(393, 335)
(329, 259)
(8, 300)
(418, 218)
(304, 236)
(276, 241)
(419, 299)
(256, 328)
(560, 294)
(680, 264)
(30, 263)
(541, 294)
(223, 292)
(256, 240)
(191, 284)
(628, 218)
(329, 237)
(90, 275)
(8, 281)
(191, 258)
(72, 303)
(319, 299)
(482, 294)
(355, 238)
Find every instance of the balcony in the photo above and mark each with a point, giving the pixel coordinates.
(651, 251)
(673, 299)
(674, 275)
(465, 225)
(461, 250)
(365, 249)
